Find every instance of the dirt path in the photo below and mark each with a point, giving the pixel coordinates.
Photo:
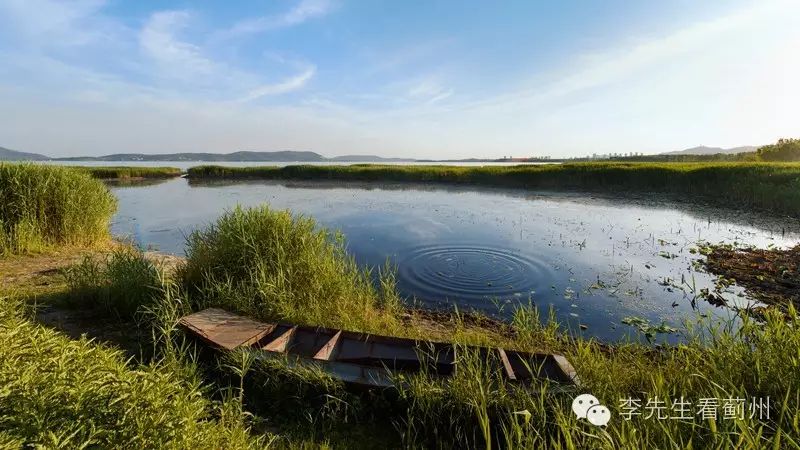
(40, 280)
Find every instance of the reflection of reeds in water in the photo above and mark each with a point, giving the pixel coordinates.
(120, 183)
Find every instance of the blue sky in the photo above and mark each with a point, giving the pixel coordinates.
(425, 79)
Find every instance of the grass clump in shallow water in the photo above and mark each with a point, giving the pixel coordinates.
(44, 207)
(275, 266)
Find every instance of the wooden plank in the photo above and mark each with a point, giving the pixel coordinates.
(327, 350)
(567, 368)
(224, 329)
(281, 343)
(507, 364)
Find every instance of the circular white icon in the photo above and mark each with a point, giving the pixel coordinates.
(598, 415)
(582, 403)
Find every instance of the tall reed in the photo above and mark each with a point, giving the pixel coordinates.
(43, 207)
(276, 266)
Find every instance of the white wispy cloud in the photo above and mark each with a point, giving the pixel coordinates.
(159, 42)
(429, 90)
(303, 11)
(697, 44)
(290, 84)
(724, 81)
(38, 24)
(42, 17)
(191, 64)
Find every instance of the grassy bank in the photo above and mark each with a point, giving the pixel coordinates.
(274, 266)
(124, 173)
(277, 266)
(63, 393)
(767, 186)
(44, 207)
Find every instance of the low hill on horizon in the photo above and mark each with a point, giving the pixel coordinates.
(703, 150)
(246, 156)
(6, 154)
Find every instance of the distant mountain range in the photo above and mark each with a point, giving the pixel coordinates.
(289, 156)
(280, 156)
(13, 155)
(703, 150)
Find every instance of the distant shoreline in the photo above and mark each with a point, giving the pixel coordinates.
(763, 186)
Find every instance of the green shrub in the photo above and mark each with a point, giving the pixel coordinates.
(42, 207)
(123, 283)
(783, 150)
(275, 266)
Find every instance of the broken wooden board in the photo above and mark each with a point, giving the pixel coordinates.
(224, 329)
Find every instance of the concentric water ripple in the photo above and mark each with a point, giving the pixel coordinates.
(473, 274)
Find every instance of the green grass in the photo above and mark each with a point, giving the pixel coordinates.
(128, 172)
(271, 265)
(477, 408)
(773, 187)
(44, 207)
(275, 266)
(124, 283)
(63, 393)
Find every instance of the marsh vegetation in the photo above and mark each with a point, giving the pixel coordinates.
(276, 265)
(767, 186)
(129, 172)
(45, 207)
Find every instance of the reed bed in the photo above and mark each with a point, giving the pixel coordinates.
(276, 266)
(128, 172)
(773, 187)
(44, 207)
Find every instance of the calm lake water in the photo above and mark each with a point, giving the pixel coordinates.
(593, 261)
